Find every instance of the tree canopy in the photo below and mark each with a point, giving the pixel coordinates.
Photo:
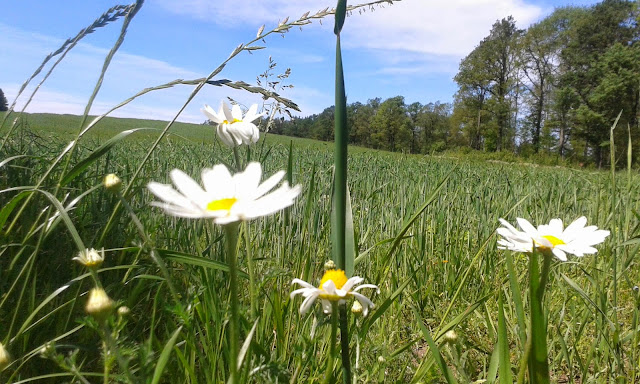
(554, 88)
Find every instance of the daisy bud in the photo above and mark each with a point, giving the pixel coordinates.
(381, 359)
(123, 311)
(450, 337)
(99, 304)
(112, 183)
(329, 265)
(356, 308)
(47, 350)
(5, 359)
(90, 258)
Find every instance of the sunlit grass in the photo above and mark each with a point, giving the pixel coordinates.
(450, 308)
(443, 244)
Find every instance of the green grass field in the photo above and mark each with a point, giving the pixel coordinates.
(424, 233)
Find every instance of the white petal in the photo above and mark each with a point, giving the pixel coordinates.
(227, 112)
(303, 283)
(217, 182)
(555, 226)
(355, 280)
(366, 286)
(169, 195)
(225, 136)
(268, 184)
(188, 187)
(211, 114)
(308, 302)
(326, 306)
(247, 182)
(227, 219)
(577, 225)
(559, 253)
(527, 227)
(236, 112)
(330, 287)
(251, 114)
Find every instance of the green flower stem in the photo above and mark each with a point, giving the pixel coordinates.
(250, 266)
(538, 355)
(332, 343)
(107, 365)
(236, 156)
(231, 243)
(344, 344)
(154, 255)
(112, 346)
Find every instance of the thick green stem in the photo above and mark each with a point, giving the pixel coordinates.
(250, 266)
(538, 356)
(231, 243)
(332, 343)
(344, 344)
(236, 155)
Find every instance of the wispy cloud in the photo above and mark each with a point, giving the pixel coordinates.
(452, 28)
(238, 13)
(68, 89)
(406, 38)
(431, 27)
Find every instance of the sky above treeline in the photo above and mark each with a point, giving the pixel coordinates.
(411, 48)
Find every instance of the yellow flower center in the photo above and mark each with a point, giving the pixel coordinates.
(554, 240)
(234, 121)
(338, 277)
(222, 204)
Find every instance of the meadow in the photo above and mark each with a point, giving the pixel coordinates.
(424, 233)
(102, 281)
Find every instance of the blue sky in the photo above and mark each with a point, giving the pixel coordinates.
(411, 48)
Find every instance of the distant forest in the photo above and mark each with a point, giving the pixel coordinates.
(555, 88)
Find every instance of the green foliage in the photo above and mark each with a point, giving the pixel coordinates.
(388, 125)
(555, 87)
(387, 190)
(488, 73)
(4, 105)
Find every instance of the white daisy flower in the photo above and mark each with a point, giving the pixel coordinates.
(234, 129)
(90, 258)
(334, 286)
(575, 239)
(225, 198)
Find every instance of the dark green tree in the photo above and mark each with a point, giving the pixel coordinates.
(4, 105)
(391, 127)
(490, 70)
(600, 44)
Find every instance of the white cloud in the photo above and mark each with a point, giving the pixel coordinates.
(245, 12)
(72, 82)
(453, 27)
(410, 37)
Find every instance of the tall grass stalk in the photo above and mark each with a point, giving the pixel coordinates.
(231, 245)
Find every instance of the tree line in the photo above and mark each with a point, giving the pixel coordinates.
(554, 88)
(557, 86)
(389, 125)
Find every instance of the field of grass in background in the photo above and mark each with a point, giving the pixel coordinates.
(443, 273)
